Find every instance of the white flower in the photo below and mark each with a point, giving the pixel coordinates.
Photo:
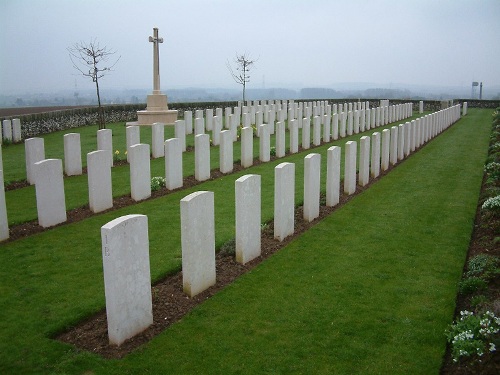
(492, 347)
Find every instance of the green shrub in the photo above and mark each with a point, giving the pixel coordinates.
(493, 170)
(157, 183)
(483, 265)
(473, 335)
(492, 204)
(272, 151)
(471, 285)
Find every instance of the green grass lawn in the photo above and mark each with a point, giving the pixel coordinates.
(368, 290)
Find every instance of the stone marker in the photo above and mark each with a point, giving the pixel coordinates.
(306, 133)
(284, 200)
(99, 181)
(375, 158)
(209, 117)
(248, 217)
(188, 120)
(158, 138)
(393, 156)
(198, 242)
(16, 130)
(34, 150)
(49, 186)
(264, 144)
(316, 130)
(350, 122)
(180, 133)
(421, 107)
(294, 136)
(72, 154)
(105, 142)
(350, 167)
(133, 137)
(7, 130)
(335, 126)
(343, 128)
(356, 127)
(140, 172)
(401, 141)
(217, 128)
(173, 163)
(127, 278)
(364, 161)
(199, 126)
(246, 147)
(226, 152)
(280, 139)
(202, 157)
(312, 176)
(4, 222)
(333, 176)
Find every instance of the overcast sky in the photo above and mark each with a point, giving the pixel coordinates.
(297, 43)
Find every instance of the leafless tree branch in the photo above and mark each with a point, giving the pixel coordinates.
(88, 58)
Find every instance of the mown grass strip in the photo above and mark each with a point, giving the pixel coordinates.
(377, 275)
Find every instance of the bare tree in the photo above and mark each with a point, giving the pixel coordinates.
(243, 66)
(88, 59)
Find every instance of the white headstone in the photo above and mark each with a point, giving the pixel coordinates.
(280, 139)
(173, 163)
(99, 181)
(226, 152)
(333, 176)
(306, 133)
(393, 155)
(72, 154)
(350, 122)
(201, 157)
(180, 133)
(16, 130)
(188, 120)
(217, 128)
(375, 159)
(199, 126)
(209, 117)
(350, 168)
(198, 242)
(246, 147)
(34, 150)
(158, 138)
(248, 217)
(7, 130)
(127, 279)
(316, 130)
(105, 142)
(264, 144)
(140, 172)
(312, 176)
(294, 136)
(284, 200)
(401, 142)
(364, 160)
(326, 128)
(133, 137)
(49, 186)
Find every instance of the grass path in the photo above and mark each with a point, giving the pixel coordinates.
(368, 290)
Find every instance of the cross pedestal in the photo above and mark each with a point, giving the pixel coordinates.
(157, 104)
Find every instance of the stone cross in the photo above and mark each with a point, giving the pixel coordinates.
(156, 60)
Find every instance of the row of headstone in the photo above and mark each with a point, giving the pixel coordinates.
(11, 130)
(125, 242)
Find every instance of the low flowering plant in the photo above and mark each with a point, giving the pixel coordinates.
(473, 336)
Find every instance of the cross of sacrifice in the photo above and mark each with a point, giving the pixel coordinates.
(156, 60)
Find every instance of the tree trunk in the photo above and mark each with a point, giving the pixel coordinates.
(102, 124)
